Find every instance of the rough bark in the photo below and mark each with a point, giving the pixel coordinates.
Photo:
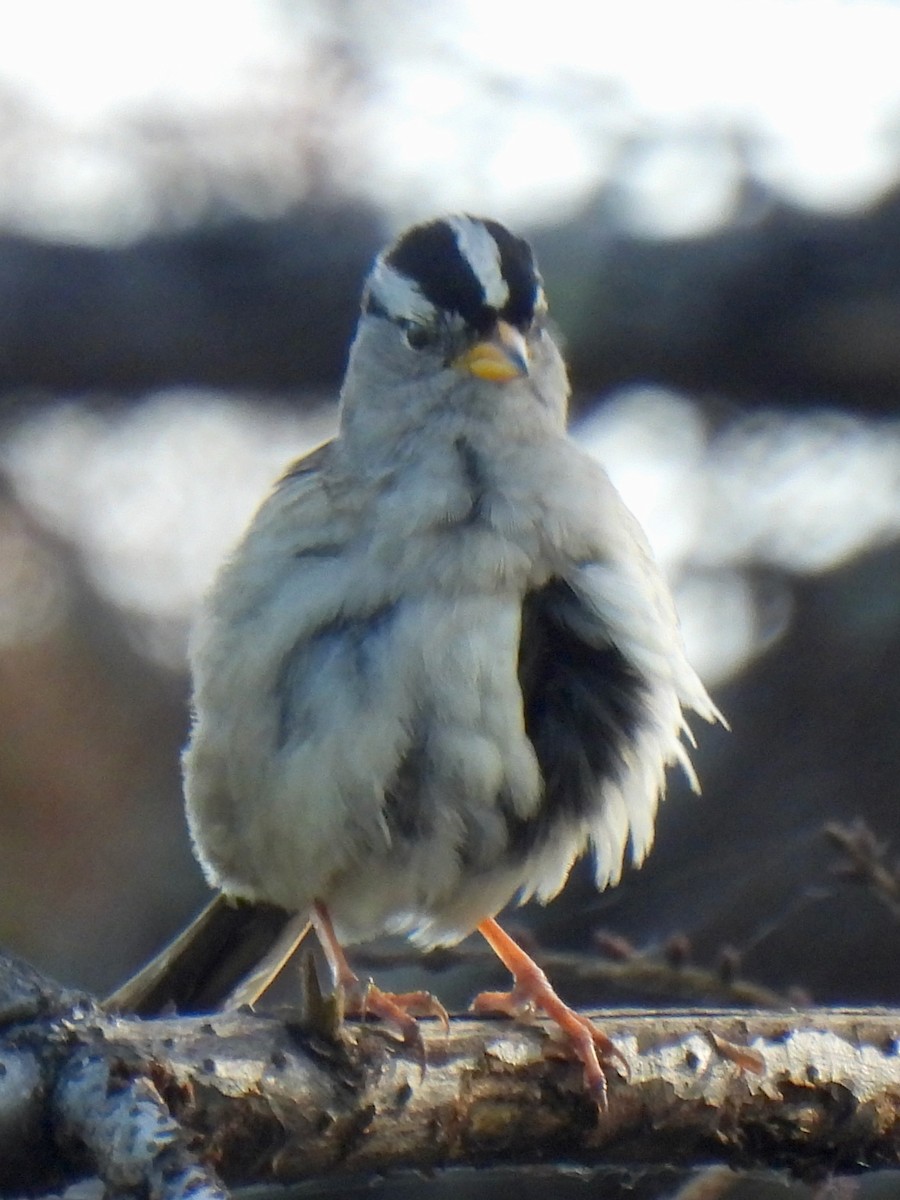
(807, 1091)
(167, 1106)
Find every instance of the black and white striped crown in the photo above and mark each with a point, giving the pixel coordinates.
(464, 265)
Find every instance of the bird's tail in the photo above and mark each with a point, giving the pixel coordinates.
(227, 956)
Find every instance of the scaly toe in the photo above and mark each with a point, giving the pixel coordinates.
(578, 1036)
(505, 1004)
(421, 1004)
(397, 1011)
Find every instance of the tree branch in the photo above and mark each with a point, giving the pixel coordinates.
(633, 973)
(793, 1089)
(864, 862)
(166, 1106)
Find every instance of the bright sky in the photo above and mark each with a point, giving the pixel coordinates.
(457, 102)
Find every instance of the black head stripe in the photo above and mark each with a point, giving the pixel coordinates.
(430, 256)
(520, 272)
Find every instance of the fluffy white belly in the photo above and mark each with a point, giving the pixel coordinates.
(375, 787)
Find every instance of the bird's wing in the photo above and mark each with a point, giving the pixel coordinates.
(605, 684)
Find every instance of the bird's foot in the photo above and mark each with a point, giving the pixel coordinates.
(533, 993)
(363, 998)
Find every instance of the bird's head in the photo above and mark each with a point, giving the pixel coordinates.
(454, 310)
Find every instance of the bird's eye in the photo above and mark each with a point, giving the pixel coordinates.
(418, 337)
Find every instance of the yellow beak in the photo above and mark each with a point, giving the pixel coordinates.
(500, 357)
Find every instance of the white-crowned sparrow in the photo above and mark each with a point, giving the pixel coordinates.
(441, 664)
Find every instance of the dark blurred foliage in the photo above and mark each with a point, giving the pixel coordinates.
(784, 309)
(263, 305)
(781, 307)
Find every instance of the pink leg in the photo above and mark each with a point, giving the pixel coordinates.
(361, 999)
(532, 990)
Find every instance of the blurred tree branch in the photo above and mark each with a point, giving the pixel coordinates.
(785, 306)
(864, 862)
(630, 973)
(267, 305)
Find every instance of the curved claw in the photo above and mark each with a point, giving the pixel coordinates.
(399, 1009)
(590, 1045)
(532, 992)
(609, 1053)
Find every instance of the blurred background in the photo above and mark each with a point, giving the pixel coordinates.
(190, 195)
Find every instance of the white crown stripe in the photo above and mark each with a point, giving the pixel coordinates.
(399, 295)
(483, 255)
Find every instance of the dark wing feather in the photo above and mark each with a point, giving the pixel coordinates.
(583, 704)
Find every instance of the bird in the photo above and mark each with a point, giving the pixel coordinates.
(442, 664)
